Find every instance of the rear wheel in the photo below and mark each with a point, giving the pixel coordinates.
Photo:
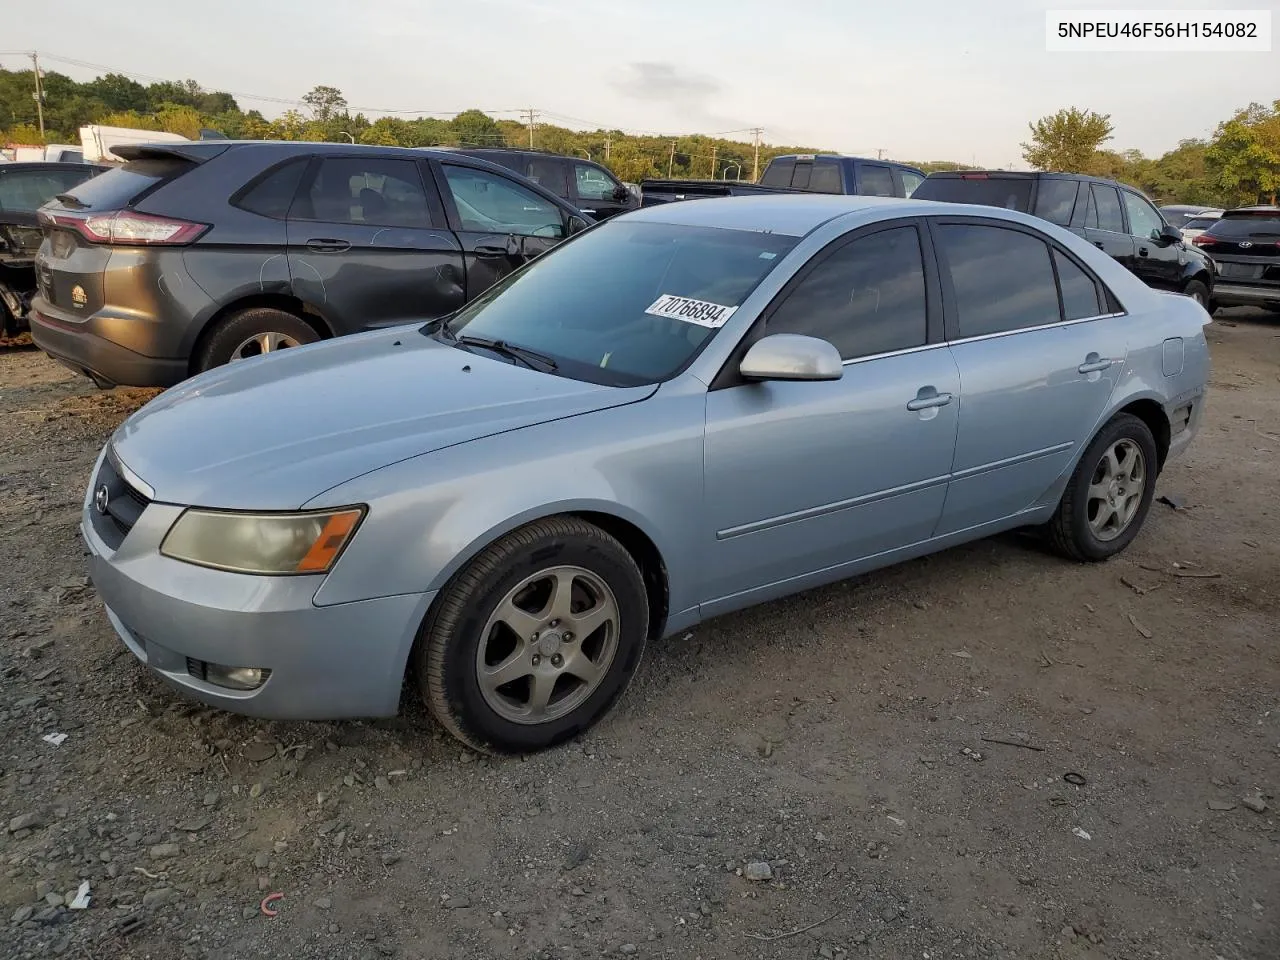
(251, 333)
(535, 640)
(1109, 494)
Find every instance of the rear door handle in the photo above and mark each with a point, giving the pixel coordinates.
(326, 245)
(924, 401)
(1098, 244)
(1095, 366)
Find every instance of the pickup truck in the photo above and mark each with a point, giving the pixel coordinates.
(798, 173)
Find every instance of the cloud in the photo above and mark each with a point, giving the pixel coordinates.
(666, 83)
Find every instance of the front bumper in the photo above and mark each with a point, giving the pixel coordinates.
(1241, 295)
(326, 662)
(72, 342)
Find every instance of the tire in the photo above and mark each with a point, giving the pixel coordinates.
(1071, 531)
(233, 335)
(1198, 292)
(511, 578)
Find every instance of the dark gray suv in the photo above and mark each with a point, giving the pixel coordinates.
(192, 255)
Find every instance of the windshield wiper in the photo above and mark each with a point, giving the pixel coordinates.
(530, 358)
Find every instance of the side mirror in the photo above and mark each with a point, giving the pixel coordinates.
(1170, 234)
(621, 193)
(576, 225)
(789, 356)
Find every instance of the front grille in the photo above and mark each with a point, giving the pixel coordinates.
(124, 504)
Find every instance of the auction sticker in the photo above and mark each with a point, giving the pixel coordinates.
(701, 312)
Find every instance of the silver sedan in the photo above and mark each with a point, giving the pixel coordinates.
(680, 412)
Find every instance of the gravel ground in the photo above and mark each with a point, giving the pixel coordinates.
(812, 778)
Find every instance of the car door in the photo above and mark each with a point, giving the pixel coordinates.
(368, 245)
(500, 223)
(801, 477)
(1037, 366)
(1157, 261)
(597, 192)
(876, 180)
(1104, 224)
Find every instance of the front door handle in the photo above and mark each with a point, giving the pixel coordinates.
(1095, 364)
(327, 245)
(488, 251)
(1098, 244)
(928, 398)
(1142, 251)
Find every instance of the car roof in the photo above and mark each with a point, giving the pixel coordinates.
(846, 156)
(798, 214)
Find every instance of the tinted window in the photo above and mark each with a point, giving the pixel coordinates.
(366, 191)
(778, 173)
(24, 191)
(488, 203)
(123, 185)
(803, 173)
(1106, 209)
(1056, 199)
(548, 172)
(273, 194)
(1003, 279)
(910, 181)
(874, 181)
(826, 177)
(1144, 222)
(1265, 226)
(597, 304)
(592, 182)
(1079, 292)
(1012, 193)
(867, 297)
(1199, 223)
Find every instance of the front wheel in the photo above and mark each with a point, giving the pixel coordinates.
(535, 640)
(1198, 292)
(1109, 494)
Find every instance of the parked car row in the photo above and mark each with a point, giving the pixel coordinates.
(683, 411)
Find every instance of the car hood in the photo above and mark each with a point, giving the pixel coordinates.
(273, 432)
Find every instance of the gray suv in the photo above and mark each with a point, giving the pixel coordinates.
(193, 255)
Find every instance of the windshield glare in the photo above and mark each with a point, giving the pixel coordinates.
(613, 306)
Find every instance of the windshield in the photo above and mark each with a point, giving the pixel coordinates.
(625, 303)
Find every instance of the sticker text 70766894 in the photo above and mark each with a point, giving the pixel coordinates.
(701, 312)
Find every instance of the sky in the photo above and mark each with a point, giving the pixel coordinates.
(918, 80)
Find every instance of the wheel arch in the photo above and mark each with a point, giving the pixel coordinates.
(1151, 412)
(277, 301)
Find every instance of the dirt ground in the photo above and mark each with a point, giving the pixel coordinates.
(840, 736)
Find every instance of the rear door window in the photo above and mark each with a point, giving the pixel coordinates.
(875, 180)
(1002, 279)
(826, 177)
(1104, 213)
(549, 172)
(126, 185)
(778, 173)
(1056, 200)
(366, 191)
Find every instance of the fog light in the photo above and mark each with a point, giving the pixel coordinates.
(236, 678)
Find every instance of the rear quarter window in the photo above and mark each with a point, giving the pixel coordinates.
(272, 194)
(127, 184)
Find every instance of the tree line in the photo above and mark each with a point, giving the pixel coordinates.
(1240, 164)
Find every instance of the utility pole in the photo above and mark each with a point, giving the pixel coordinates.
(713, 160)
(671, 160)
(879, 153)
(532, 115)
(755, 169)
(608, 141)
(35, 67)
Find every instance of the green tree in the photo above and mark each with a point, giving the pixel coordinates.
(117, 92)
(1067, 141)
(476, 129)
(325, 102)
(1244, 157)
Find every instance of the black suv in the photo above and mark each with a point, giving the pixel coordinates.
(584, 183)
(1112, 216)
(191, 255)
(23, 188)
(1245, 244)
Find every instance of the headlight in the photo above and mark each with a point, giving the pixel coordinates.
(264, 543)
